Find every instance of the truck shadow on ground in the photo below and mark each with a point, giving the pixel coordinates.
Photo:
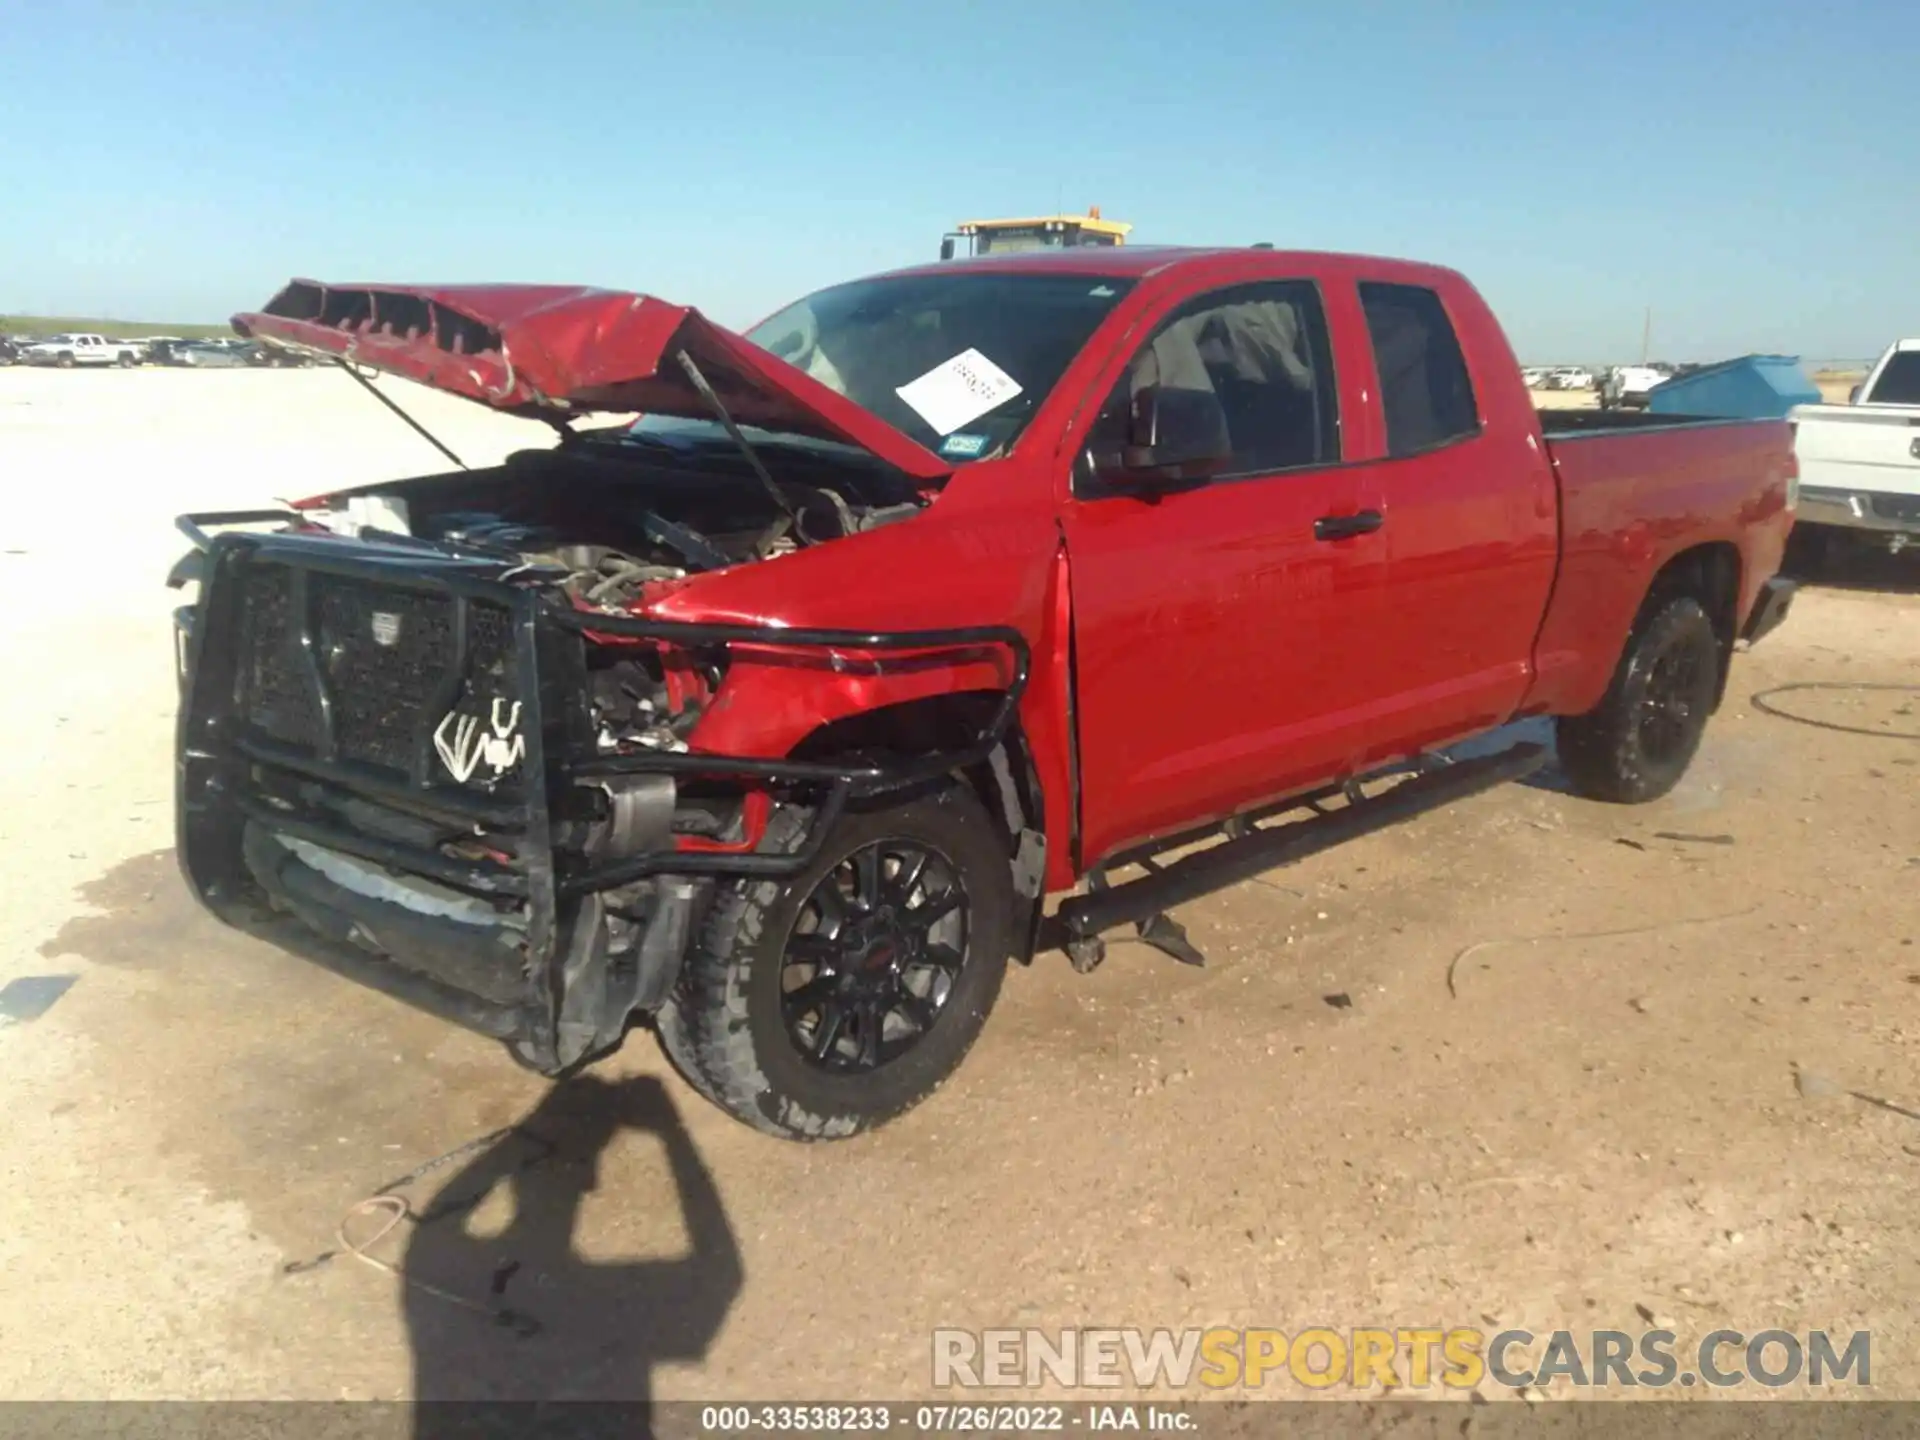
(1870, 569)
(537, 1319)
(505, 1222)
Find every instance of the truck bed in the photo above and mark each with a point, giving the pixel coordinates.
(1636, 490)
(1860, 468)
(1612, 422)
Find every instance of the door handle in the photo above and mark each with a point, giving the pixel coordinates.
(1345, 527)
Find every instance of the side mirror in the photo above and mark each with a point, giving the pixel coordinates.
(1174, 435)
(946, 248)
(1853, 395)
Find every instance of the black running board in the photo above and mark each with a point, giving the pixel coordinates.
(1232, 861)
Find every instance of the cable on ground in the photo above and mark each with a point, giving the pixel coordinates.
(1762, 699)
(1480, 945)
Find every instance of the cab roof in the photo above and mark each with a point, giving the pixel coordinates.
(1140, 261)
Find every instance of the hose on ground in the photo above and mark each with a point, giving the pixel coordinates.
(1762, 701)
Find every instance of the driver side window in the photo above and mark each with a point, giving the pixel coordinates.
(1263, 351)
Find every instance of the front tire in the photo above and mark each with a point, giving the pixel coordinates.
(65, 362)
(1639, 740)
(824, 1005)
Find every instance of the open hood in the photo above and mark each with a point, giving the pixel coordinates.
(553, 351)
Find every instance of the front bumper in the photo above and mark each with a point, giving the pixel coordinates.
(511, 911)
(1880, 513)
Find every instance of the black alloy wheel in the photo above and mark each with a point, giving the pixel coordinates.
(1639, 740)
(873, 956)
(817, 1007)
(1669, 702)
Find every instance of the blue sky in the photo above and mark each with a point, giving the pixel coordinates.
(1748, 170)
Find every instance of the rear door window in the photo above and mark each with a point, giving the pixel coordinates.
(1899, 382)
(1424, 387)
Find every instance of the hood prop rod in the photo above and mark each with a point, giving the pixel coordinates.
(387, 400)
(792, 521)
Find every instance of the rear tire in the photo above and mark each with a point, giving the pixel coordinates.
(1639, 740)
(814, 1021)
(124, 360)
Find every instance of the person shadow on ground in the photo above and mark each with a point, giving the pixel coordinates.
(537, 1320)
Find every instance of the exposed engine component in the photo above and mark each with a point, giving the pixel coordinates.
(477, 530)
(630, 706)
(698, 551)
(873, 517)
(604, 577)
(597, 575)
(591, 521)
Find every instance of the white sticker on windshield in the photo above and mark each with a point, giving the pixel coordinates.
(963, 389)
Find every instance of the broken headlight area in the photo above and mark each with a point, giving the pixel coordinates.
(648, 697)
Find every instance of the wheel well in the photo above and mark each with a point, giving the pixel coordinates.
(941, 722)
(1006, 783)
(1708, 573)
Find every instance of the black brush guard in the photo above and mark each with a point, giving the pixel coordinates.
(558, 1009)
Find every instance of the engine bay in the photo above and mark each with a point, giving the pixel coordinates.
(609, 513)
(605, 516)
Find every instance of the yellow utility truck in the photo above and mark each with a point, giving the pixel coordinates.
(1033, 232)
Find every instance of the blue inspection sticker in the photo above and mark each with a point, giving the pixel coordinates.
(963, 446)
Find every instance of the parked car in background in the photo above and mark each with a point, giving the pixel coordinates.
(778, 714)
(210, 355)
(1860, 463)
(277, 357)
(68, 351)
(9, 351)
(165, 349)
(1535, 376)
(1573, 377)
(1633, 384)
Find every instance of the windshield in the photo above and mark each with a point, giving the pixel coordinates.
(1010, 239)
(957, 361)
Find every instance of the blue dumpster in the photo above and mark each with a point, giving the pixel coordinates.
(1754, 387)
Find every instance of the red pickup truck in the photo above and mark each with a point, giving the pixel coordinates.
(776, 715)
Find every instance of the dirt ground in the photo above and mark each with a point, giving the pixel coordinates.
(1597, 1121)
(1836, 386)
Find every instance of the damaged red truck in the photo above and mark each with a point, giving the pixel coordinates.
(776, 716)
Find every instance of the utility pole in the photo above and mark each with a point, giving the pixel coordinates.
(1646, 337)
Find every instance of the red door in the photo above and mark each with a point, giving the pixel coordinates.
(1470, 524)
(1220, 631)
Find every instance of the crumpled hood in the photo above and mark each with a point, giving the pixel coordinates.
(554, 351)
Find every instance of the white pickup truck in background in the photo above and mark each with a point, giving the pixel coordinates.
(67, 351)
(1633, 383)
(1860, 463)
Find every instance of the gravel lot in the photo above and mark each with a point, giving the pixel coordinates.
(1589, 1125)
